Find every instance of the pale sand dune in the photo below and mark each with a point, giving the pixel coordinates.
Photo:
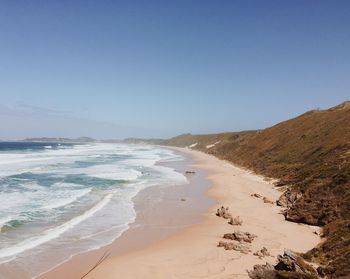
(212, 145)
(193, 253)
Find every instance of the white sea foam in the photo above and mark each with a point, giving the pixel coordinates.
(58, 182)
(113, 172)
(70, 197)
(31, 197)
(54, 232)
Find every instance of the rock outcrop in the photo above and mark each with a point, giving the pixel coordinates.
(223, 212)
(266, 271)
(237, 221)
(240, 236)
(262, 253)
(289, 265)
(288, 198)
(240, 247)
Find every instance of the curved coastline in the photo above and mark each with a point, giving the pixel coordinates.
(191, 251)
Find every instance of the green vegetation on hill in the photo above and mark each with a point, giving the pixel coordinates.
(310, 154)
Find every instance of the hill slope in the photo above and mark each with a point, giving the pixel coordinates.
(310, 154)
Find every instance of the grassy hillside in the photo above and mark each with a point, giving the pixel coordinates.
(311, 154)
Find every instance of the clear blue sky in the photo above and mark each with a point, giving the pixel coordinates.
(160, 68)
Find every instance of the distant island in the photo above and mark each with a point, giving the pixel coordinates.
(60, 140)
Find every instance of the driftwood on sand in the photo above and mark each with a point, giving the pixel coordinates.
(104, 257)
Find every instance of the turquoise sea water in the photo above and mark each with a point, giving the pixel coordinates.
(76, 196)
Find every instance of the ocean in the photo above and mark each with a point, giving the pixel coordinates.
(71, 198)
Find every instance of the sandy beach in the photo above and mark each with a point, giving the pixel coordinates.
(190, 251)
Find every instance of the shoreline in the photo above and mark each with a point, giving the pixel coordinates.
(192, 252)
(146, 201)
